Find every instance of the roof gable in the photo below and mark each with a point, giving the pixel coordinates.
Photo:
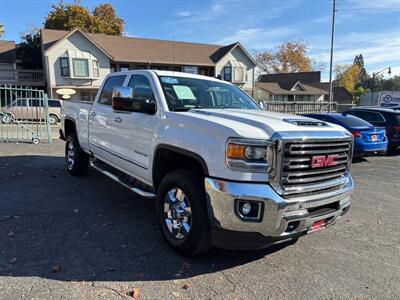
(55, 42)
(298, 87)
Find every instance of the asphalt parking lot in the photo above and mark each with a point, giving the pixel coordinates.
(89, 238)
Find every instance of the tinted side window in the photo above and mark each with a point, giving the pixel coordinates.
(106, 93)
(21, 102)
(35, 103)
(53, 103)
(376, 117)
(368, 116)
(141, 88)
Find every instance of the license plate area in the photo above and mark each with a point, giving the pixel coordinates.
(317, 225)
(374, 138)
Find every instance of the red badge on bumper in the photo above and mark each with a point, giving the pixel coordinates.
(317, 226)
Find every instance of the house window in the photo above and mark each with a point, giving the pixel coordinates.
(239, 74)
(81, 67)
(95, 68)
(203, 71)
(124, 67)
(64, 65)
(228, 73)
(141, 67)
(113, 68)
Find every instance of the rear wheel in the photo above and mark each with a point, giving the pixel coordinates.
(76, 160)
(182, 213)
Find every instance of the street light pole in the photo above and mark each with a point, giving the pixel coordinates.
(331, 61)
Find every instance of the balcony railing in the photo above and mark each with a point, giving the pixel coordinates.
(22, 77)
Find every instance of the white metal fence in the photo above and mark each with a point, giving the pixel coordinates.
(304, 107)
(24, 115)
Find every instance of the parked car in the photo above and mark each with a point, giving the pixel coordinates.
(23, 109)
(367, 137)
(223, 171)
(381, 117)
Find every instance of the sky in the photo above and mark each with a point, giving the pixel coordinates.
(369, 27)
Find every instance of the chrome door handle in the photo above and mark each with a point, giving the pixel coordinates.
(118, 120)
(93, 114)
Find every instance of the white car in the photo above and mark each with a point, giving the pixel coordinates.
(223, 172)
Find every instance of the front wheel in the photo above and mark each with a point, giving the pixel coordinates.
(182, 213)
(76, 160)
(53, 119)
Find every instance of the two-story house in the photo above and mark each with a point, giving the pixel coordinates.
(80, 61)
(11, 74)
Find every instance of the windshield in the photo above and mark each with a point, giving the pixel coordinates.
(184, 93)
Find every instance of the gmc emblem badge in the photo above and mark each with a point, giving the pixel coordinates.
(324, 161)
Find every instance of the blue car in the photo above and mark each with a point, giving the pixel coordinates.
(367, 137)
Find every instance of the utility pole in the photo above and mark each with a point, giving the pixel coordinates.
(331, 62)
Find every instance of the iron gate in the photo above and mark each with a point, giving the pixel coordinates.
(24, 115)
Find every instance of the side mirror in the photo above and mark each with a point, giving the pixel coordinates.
(261, 103)
(122, 99)
(148, 107)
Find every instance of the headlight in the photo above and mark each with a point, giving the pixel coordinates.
(248, 155)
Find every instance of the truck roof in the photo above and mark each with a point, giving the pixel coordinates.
(170, 73)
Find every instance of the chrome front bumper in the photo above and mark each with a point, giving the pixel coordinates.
(278, 211)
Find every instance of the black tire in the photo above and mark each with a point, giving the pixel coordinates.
(55, 118)
(198, 239)
(80, 163)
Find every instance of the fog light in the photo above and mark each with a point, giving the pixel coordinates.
(246, 208)
(249, 211)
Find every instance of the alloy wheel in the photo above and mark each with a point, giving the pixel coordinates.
(177, 213)
(70, 156)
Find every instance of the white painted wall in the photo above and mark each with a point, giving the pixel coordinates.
(78, 46)
(237, 55)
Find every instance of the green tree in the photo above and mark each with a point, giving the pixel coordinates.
(390, 84)
(106, 21)
(1, 29)
(68, 16)
(29, 50)
(291, 56)
(363, 77)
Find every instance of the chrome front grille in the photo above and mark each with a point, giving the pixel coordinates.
(309, 166)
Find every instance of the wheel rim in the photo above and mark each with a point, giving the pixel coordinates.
(177, 213)
(7, 118)
(52, 120)
(70, 156)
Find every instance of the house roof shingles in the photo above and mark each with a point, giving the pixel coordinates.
(282, 89)
(7, 52)
(140, 50)
(303, 77)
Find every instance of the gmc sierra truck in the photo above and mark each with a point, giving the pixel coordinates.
(223, 171)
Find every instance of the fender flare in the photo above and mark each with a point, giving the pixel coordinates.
(185, 152)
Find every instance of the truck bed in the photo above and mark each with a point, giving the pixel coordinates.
(78, 111)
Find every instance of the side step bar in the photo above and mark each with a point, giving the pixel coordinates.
(115, 178)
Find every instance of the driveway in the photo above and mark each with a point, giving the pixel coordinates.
(89, 238)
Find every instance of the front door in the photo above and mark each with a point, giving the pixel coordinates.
(143, 125)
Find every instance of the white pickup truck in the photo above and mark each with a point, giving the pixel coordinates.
(223, 172)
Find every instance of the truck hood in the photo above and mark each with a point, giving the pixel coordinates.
(259, 123)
